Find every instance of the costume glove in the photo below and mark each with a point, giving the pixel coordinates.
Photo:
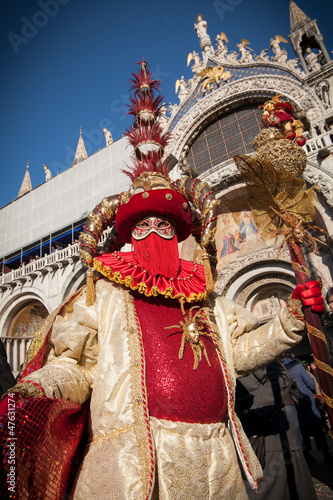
(310, 296)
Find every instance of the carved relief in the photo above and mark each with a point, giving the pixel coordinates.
(227, 275)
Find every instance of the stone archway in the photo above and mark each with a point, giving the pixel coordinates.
(20, 318)
(27, 320)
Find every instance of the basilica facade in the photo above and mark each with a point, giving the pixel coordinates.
(217, 116)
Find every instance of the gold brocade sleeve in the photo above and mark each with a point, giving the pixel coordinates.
(73, 349)
(255, 346)
(247, 347)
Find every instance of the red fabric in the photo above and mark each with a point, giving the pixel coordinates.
(158, 255)
(283, 116)
(301, 141)
(285, 106)
(164, 202)
(40, 451)
(190, 280)
(175, 391)
(49, 439)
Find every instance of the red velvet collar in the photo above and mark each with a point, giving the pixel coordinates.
(122, 267)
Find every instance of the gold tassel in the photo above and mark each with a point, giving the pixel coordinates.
(208, 273)
(90, 293)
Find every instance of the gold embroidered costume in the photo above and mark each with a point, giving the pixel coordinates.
(97, 351)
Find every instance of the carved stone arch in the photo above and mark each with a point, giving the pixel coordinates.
(15, 303)
(260, 280)
(235, 94)
(74, 282)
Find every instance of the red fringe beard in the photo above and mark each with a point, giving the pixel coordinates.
(157, 255)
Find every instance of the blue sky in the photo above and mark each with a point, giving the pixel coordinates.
(65, 65)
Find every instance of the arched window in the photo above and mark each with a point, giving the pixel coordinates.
(233, 133)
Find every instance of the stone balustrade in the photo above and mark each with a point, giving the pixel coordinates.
(56, 259)
(316, 144)
(44, 264)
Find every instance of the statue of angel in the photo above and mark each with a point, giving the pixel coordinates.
(183, 89)
(280, 55)
(163, 119)
(246, 56)
(222, 49)
(197, 63)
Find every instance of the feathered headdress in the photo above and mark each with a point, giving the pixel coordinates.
(152, 191)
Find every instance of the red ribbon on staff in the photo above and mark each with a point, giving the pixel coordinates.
(315, 332)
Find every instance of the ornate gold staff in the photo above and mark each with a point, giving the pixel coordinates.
(281, 205)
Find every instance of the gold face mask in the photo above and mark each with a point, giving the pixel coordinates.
(147, 225)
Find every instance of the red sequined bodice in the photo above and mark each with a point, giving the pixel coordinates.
(176, 391)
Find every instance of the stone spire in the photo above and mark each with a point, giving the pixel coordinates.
(297, 17)
(307, 41)
(81, 153)
(26, 184)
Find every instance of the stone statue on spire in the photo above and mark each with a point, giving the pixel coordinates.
(312, 60)
(201, 28)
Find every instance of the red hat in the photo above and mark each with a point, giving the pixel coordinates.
(164, 202)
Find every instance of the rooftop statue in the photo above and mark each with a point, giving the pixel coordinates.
(246, 55)
(280, 55)
(312, 60)
(201, 28)
(213, 74)
(48, 173)
(197, 62)
(183, 88)
(108, 137)
(222, 49)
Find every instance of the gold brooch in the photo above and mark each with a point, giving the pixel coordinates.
(192, 328)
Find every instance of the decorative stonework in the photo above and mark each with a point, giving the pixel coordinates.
(247, 292)
(227, 275)
(323, 180)
(222, 176)
(236, 93)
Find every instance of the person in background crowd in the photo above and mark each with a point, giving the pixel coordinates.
(261, 402)
(309, 418)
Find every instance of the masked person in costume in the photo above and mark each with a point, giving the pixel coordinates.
(148, 350)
